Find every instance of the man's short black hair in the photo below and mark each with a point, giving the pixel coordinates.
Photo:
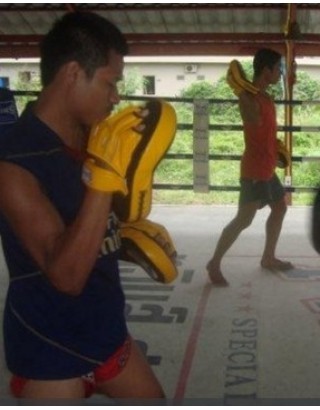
(265, 57)
(84, 37)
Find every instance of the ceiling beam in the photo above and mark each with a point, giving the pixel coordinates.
(27, 46)
(38, 7)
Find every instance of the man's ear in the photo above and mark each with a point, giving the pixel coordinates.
(73, 71)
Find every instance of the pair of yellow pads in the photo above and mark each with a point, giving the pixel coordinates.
(237, 80)
(145, 242)
(124, 151)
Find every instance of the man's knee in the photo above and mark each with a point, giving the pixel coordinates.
(279, 209)
(247, 221)
(243, 220)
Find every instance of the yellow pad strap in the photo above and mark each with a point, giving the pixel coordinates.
(101, 179)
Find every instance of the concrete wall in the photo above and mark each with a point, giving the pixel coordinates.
(172, 75)
(13, 69)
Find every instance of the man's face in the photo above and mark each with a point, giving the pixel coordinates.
(275, 73)
(95, 97)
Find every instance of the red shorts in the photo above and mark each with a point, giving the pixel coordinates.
(107, 371)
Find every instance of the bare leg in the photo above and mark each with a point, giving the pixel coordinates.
(71, 389)
(136, 380)
(229, 235)
(273, 229)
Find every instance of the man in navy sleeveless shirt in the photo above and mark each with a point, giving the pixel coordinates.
(64, 314)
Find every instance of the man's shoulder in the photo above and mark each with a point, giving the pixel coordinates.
(27, 134)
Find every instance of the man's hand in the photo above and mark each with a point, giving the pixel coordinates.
(110, 148)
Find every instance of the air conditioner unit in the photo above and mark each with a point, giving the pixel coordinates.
(190, 68)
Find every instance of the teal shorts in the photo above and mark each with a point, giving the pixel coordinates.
(264, 191)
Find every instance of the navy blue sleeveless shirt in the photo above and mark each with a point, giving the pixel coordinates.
(50, 335)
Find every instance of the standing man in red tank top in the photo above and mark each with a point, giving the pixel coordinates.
(259, 184)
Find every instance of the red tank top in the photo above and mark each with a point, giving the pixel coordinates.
(259, 158)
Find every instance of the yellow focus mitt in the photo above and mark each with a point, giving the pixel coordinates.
(149, 245)
(284, 159)
(160, 128)
(237, 80)
(110, 148)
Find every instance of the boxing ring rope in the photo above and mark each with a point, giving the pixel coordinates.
(202, 129)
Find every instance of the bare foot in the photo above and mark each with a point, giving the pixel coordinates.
(216, 276)
(276, 264)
